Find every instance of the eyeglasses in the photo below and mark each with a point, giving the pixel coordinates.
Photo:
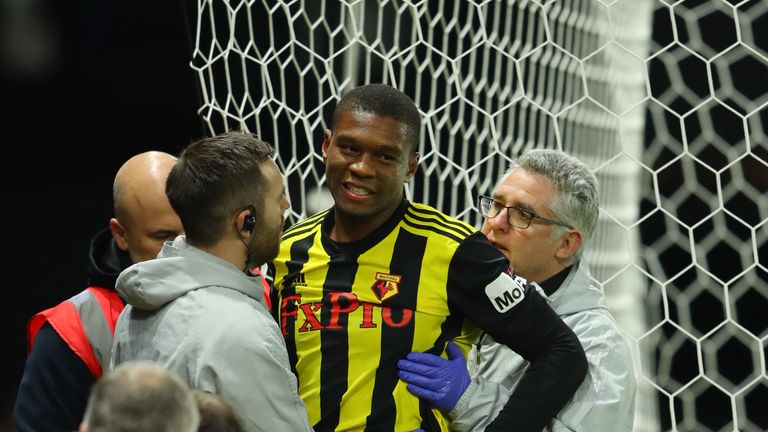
(516, 216)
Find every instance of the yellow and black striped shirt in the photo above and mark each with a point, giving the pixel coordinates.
(350, 311)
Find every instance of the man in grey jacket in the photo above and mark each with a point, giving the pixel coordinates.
(541, 214)
(197, 308)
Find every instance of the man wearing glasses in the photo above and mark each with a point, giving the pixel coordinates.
(540, 216)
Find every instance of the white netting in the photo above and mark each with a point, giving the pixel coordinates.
(664, 100)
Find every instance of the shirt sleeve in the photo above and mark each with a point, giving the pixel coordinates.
(514, 315)
(605, 401)
(54, 388)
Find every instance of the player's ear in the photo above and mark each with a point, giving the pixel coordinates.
(413, 164)
(326, 142)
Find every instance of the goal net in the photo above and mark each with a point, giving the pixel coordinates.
(664, 100)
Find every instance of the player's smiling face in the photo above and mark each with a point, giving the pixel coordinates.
(367, 162)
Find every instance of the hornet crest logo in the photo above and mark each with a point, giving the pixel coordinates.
(386, 285)
(299, 281)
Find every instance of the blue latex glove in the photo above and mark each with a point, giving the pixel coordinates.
(435, 379)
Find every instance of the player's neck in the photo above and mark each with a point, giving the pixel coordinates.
(349, 228)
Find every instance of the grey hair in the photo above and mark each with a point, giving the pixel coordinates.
(141, 396)
(576, 201)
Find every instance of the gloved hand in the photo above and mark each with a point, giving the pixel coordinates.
(435, 379)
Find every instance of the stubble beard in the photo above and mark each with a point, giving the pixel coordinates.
(263, 248)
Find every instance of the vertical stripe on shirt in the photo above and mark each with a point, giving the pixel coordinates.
(397, 342)
(334, 345)
(299, 257)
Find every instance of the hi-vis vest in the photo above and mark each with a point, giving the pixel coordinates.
(86, 322)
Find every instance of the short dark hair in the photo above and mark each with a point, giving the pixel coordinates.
(385, 101)
(213, 179)
(216, 415)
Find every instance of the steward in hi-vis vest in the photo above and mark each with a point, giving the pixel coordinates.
(69, 346)
(86, 323)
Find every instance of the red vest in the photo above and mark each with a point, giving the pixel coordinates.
(86, 322)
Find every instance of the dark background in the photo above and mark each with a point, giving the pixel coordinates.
(84, 85)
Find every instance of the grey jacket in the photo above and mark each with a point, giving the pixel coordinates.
(605, 401)
(206, 320)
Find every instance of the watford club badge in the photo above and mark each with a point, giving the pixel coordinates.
(386, 285)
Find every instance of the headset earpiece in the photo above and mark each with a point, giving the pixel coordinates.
(249, 222)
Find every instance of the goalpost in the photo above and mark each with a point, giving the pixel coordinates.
(664, 100)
